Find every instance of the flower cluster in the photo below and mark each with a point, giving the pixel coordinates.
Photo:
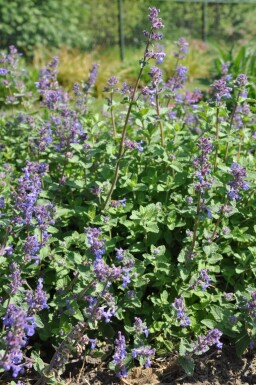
(204, 342)
(81, 90)
(15, 278)
(224, 71)
(221, 90)
(202, 165)
(14, 76)
(131, 145)
(177, 81)
(19, 327)
(238, 183)
(140, 327)
(118, 203)
(179, 307)
(29, 188)
(120, 355)
(52, 95)
(37, 300)
(182, 46)
(145, 352)
(203, 279)
(251, 305)
(97, 245)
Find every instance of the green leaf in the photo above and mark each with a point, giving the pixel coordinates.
(38, 363)
(242, 344)
(187, 364)
(211, 324)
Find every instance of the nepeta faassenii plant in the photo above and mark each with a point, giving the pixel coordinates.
(127, 234)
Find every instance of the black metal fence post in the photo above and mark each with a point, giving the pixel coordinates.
(120, 29)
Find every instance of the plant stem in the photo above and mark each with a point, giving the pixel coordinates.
(159, 119)
(217, 138)
(121, 146)
(196, 222)
(218, 222)
(113, 117)
(230, 126)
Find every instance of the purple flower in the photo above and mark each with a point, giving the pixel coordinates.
(19, 326)
(3, 71)
(158, 56)
(2, 202)
(177, 81)
(15, 278)
(31, 248)
(119, 203)
(182, 45)
(202, 165)
(145, 352)
(156, 75)
(112, 81)
(29, 188)
(179, 306)
(156, 22)
(7, 250)
(221, 90)
(92, 75)
(37, 300)
(120, 254)
(238, 183)
(93, 342)
(226, 230)
(140, 327)
(120, 355)
(131, 145)
(241, 80)
(189, 200)
(251, 305)
(204, 279)
(97, 245)
(204, 342)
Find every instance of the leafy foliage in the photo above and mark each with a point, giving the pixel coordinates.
(139, 218)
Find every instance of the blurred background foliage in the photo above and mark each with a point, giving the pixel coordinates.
(83, 31)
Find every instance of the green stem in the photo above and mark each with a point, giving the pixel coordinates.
(121, 146)
(217, 138)
(196, 222)
(218, 222)
(230, 126)
(159, 119)
(113, 117)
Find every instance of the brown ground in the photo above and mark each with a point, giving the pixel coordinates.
(215, 368)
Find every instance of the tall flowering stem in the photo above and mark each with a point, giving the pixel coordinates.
(156, 24)
(196, 221)
(121, 146)
(113, 117)
(230, 125)
(217, 136)
(240, 82)
(159, 118)
(202, 170)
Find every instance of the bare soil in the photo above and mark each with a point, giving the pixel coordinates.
(216, 368)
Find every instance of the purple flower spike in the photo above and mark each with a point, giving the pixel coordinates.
(221, 90)
(120, 355)
(179, 306)
(202, 165)
(204, 342)
(238, 183)
(140, 327)
(182, 45)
